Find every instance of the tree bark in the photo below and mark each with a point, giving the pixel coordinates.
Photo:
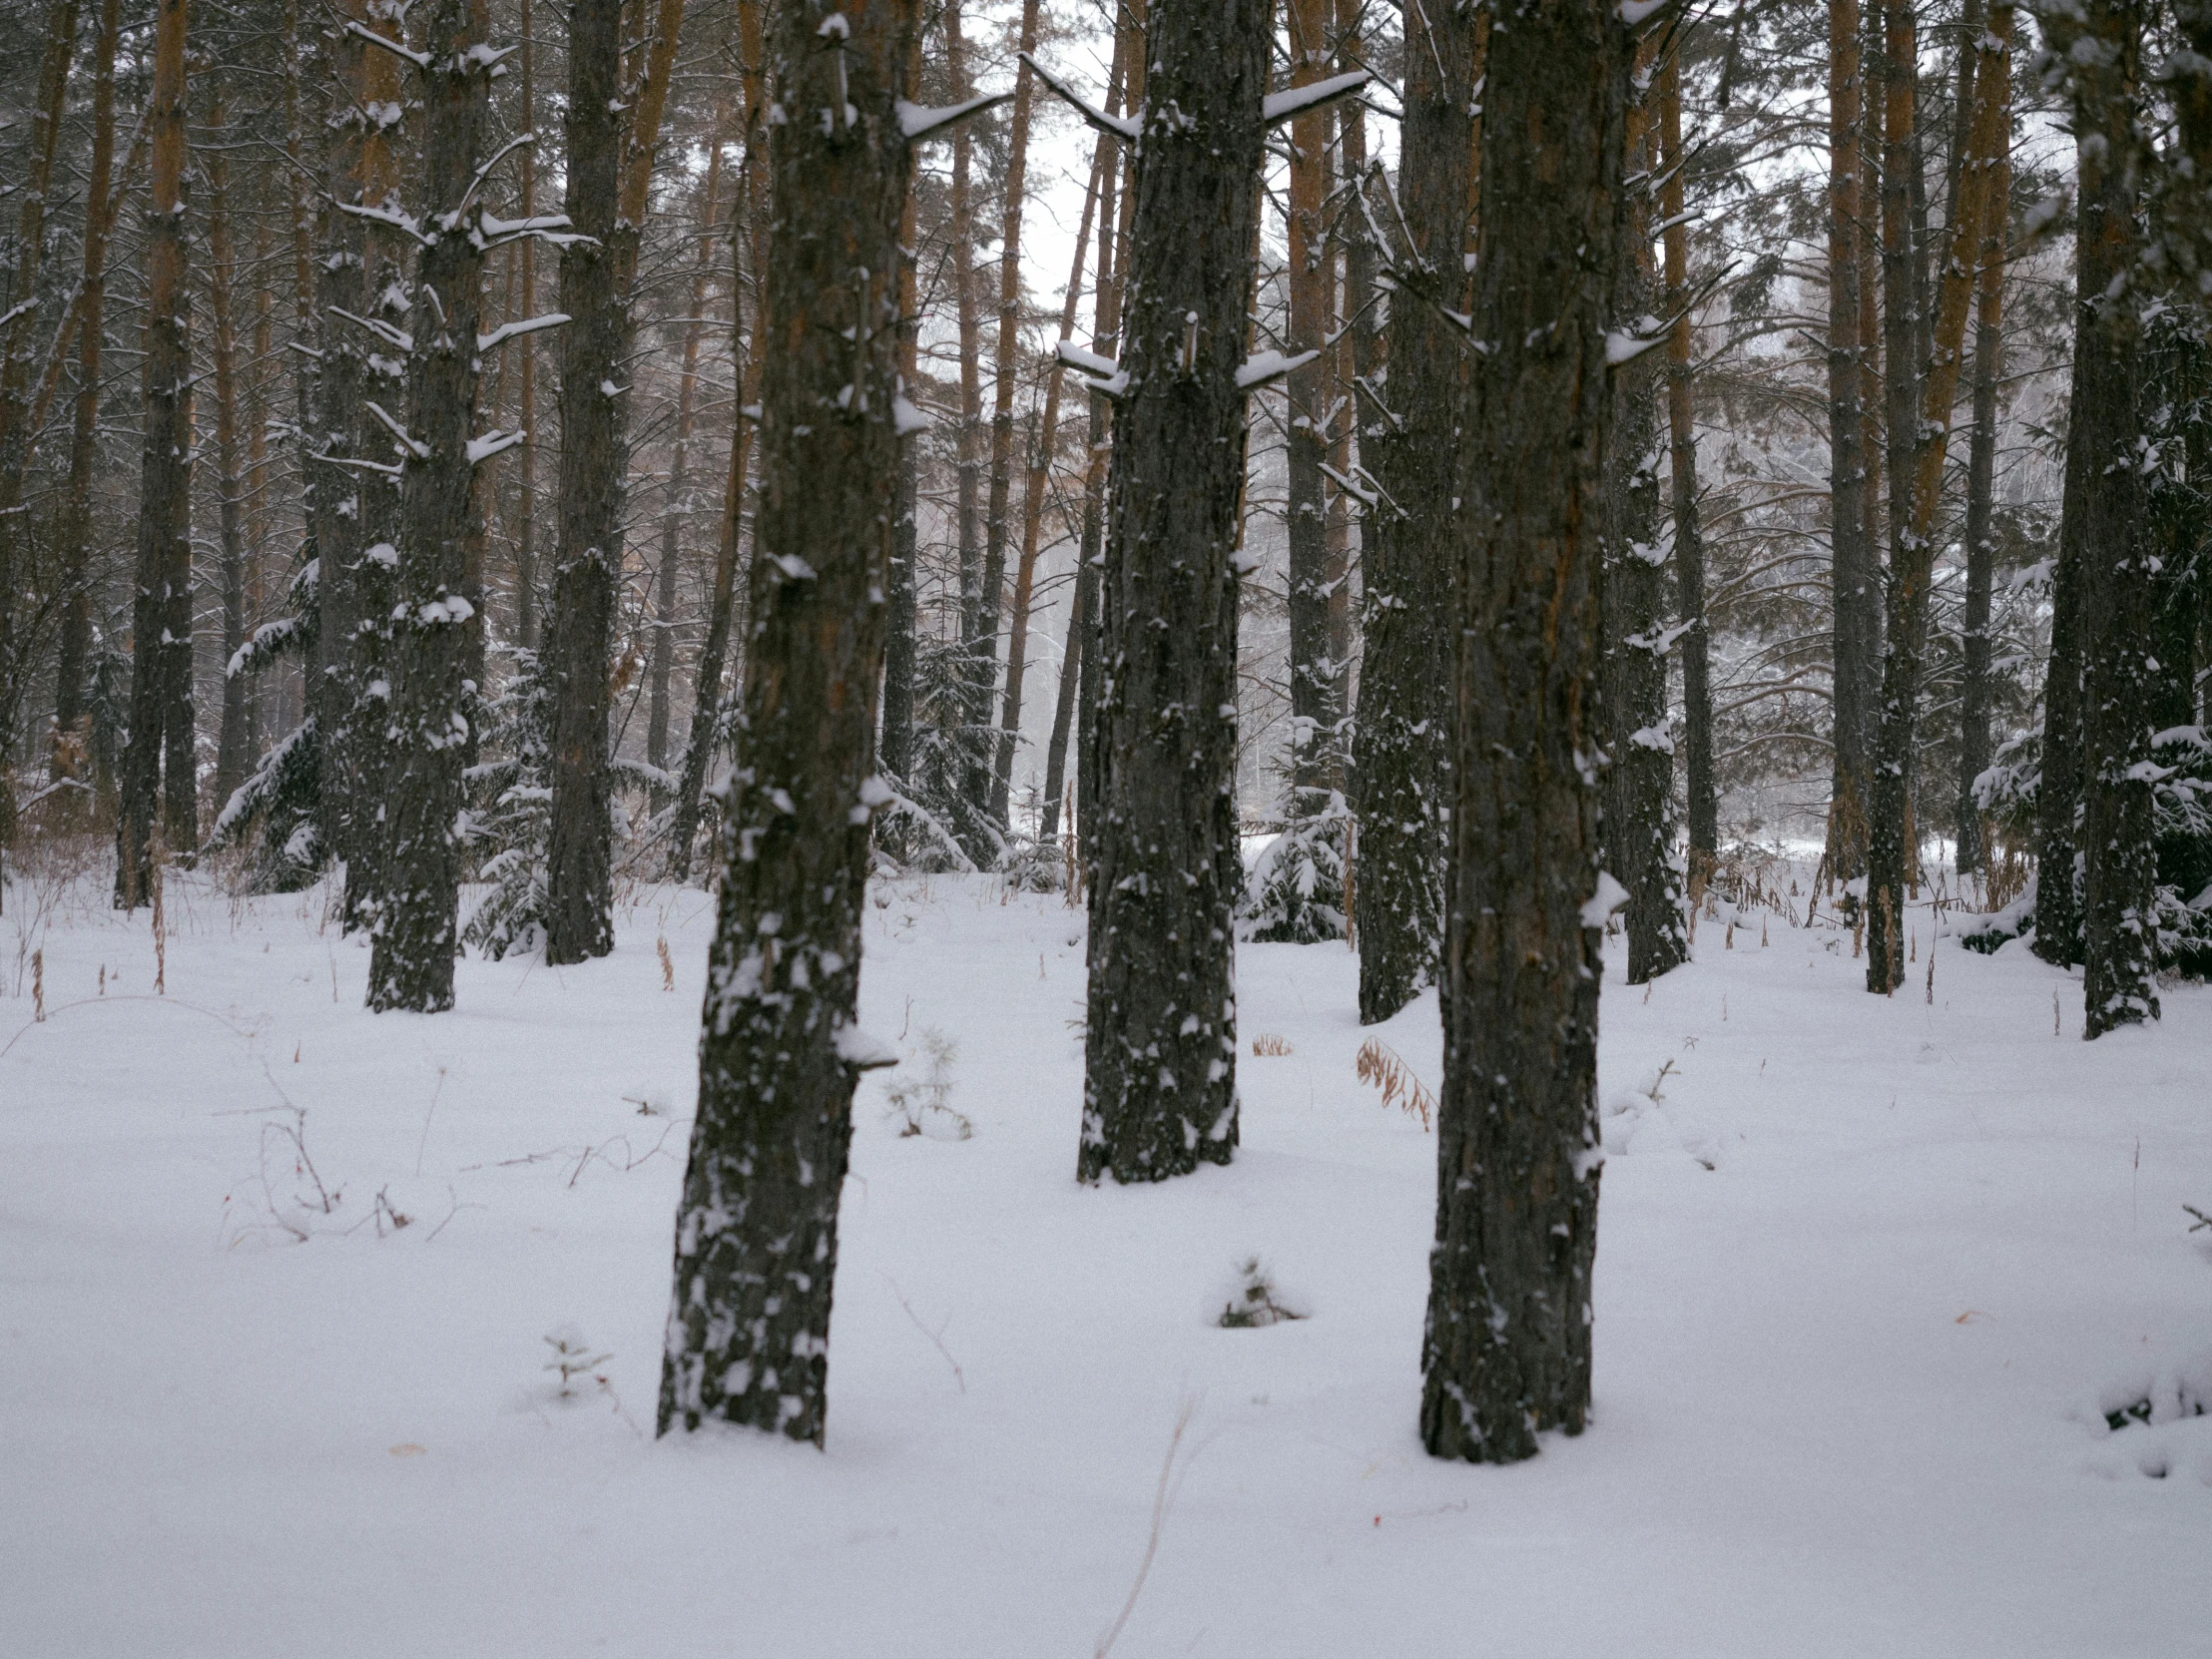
(756, 1229)
(233, 740)
(1314, 709)
(526, 370)
(1638, 821)
(1506, 1348)
(157, 768)
(973, 775)
(1160, 1049)
(2102, 49)
(897, 745)
(1989, 366)
(1892, 856)
(73, 529)
(1688, 541)
(1408, 436)
(411, 961)
(1852, 566)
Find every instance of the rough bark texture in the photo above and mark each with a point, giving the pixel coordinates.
(1401, 740)
(1160, 1093)
(974, 771)
(1891, 850)
(756, 1230)
(1702, 805)
(1638, 828)
(1507, 1346)
(1854, 567)
(73, 528)
(411, 962)
(895, 746)
(526, 367)
(158, 766)
(1989, 366)
(2120, 590)
(234, 740)
(579, 637)
(1315, 699)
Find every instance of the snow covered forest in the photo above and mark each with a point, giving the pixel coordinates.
(840, 827)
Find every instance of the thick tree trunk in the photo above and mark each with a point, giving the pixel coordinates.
(1989, 366)
(1314, 685)
(1853, 566)
(579, 886)
(895, 746)
(1159, 1074)
(158, 768)
(1506, 1348)
(986, 794)
(2058, 790)
(73, 528)
(1892, 856)
(1638, 826)
(411, 964)
(1401, 740)
(2103, 49)
(756, 1231)
(233, 740)
(1689, 541)
(16, 432)
(526, 368)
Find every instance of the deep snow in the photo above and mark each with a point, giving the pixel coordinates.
(1849, 1378)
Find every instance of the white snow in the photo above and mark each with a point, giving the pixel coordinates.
(1871, 1273)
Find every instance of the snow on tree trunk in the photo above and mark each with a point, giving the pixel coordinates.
(757, 1228)
(411, 962)
(579, 634)
(1689, 541)
(158, 766)
(1401, 740)
(1506, 1347)
(1973, 627)
(1160, 1087)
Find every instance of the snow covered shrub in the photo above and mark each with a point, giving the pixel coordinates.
(1032, 865)
(922, 1105)
(1254, 1301)
(1295, 891)
(512, 817)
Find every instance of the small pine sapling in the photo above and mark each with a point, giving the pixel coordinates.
(922, 1105)
(1256, 1302)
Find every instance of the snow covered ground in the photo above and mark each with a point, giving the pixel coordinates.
(1870, 1273)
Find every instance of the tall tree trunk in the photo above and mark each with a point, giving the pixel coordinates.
(1892, 856)
(158, 765)
(1688, 541)
(1638, 821)
(1129, 51)
(748, 230)
(16, 432)
(234, 742)
(984, 791)
(895, 748)
(756, 1230)
(2102, 48)
(1988, 366)
(2058, 790)
(411, 964)
(1036, 485)
(1402, 755)
(72, 530)
(1852, 562)
(579, 886)
(1506, 1348)
(1160, 1048)
(526, 369)
(1313, 674)
(1362, 357)
(972, 770)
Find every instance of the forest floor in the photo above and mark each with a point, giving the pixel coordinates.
(1870, 1275)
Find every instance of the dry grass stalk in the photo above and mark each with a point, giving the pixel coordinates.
(1387, 1070)
(1267, 1046)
